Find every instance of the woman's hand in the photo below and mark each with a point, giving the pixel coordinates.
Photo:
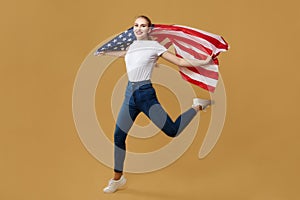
(208, 59)
(97, 53)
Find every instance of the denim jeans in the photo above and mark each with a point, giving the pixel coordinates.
(141, 97)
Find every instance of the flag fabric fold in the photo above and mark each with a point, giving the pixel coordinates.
(188, 43)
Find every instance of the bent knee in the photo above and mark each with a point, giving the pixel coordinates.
(171, 132)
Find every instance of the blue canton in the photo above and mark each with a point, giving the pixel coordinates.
(119, 43)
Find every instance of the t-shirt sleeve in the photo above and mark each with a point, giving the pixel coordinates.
(160, 49)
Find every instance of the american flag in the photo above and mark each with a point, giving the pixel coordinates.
(188, 43)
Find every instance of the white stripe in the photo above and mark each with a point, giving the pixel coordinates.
(198, 77)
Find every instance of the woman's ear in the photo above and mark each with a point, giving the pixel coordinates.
(150, 28)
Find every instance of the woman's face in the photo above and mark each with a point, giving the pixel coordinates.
(141, 29)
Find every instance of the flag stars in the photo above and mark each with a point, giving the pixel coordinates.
(120, 42)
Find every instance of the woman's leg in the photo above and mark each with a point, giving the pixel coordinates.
(161, 119)
(147, 102)
(126, 117)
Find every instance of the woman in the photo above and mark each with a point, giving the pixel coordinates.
(140, 96)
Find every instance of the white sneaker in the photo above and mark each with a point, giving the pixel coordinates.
(202, 103)
(113, 185)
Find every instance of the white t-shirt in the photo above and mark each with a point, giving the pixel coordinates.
(140, 59)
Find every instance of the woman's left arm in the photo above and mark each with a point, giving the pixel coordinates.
(183, 62)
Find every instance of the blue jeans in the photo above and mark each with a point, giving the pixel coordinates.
(141, 97)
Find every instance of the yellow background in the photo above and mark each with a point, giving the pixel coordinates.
(43, 44)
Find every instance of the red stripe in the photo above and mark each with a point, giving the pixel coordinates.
(198, 83)
(210, 39)
(168, 45)
(216, 61)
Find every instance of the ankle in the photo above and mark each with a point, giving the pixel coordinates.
(117, 176)
(196, 108)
